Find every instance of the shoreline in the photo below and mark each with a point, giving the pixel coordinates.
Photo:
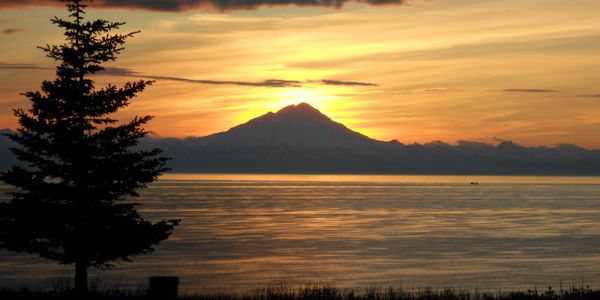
(325, 292)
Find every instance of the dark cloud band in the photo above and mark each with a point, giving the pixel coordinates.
(530, 90)
(273, 83)
(347, 83)
(265, 83)
(182, 5)
(13, 30)
(6, 66)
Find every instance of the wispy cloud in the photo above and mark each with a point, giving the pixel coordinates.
(530, 90)
(589, 96)
(22, 67)
(347, 83)
(222, 5)
(274, 83)
(264, 83)
(13, 30)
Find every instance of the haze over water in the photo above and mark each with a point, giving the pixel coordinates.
(241, 232)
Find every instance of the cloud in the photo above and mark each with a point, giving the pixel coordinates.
(347, 83)
(13, 30)
(264, 83)
(22, 67)
(590, 96)
(530, 90)
(274, 83)
(183, 5)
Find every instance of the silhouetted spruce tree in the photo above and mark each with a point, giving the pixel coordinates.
(79, 164)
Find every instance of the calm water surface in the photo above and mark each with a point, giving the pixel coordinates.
(240, 232)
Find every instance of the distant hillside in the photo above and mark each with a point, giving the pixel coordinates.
(300, 139)
(6, 157)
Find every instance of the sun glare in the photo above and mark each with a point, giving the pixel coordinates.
(327, 100)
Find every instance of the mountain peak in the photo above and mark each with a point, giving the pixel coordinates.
(300, 106)
(299, 125)
(300, 110)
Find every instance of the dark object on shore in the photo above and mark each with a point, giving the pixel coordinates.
(162, 287)
(474, 183)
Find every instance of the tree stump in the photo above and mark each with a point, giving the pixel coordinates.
(162, 287)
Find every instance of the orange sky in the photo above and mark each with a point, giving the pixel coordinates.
(445, 70)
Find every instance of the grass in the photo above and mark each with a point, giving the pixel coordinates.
(316, 292)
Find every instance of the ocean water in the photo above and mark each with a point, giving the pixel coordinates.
(242, 232)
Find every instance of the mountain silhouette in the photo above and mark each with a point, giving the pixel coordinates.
(295, 125)
(300, 139)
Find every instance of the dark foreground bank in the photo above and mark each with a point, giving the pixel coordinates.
(330, 293)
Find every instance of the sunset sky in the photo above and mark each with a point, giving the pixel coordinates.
(415, 71)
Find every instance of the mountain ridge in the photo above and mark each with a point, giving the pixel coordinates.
(300, 139)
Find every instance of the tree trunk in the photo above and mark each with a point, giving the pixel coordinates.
(81, 278)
